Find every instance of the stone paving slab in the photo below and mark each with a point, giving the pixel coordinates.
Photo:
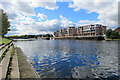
(15, 68)
(5, 63)
(26, 69)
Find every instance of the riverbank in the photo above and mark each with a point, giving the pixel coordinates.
(13, 63)
(26, 69)
(82, 37)
(4, 40)
(108, 39)
(23, 39)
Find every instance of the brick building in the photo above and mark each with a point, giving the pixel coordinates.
(91, 30)
(87, 30)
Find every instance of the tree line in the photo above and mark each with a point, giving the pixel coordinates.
(4, 23)
(112, 34)
(29, 36)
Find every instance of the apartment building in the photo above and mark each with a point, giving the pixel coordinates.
(56, 34)
(91, 30)
(87, 30)
(72, 31)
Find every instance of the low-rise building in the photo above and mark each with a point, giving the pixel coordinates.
(87, 30)
(91, 30)
(72, 31)
(56, 34)
(117, 30)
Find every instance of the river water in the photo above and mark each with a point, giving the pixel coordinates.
(72, 58)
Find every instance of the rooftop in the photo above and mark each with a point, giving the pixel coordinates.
(117, 29)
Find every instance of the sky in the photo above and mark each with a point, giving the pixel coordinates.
(34, 17)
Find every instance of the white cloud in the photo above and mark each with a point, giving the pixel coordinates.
(20, 13)
(87, 22)
(65, 22)
(15, 6)
(47, 4)
(82, 22)
(25, 7)
(42, 16)
(27, 25)
(107, 10)
(39, 19)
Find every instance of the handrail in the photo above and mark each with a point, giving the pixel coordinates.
(3, 50)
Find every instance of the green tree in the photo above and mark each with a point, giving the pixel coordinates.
(108, 33)
(4, 23)
(47, 35)
(114, 35)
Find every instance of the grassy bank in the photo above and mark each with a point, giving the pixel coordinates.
(4, 40)
(108, 39)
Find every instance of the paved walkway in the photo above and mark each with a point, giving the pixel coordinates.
(26, 69)
(5, 63)
(15, 68)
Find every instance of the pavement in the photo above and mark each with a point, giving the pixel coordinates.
(26, 69)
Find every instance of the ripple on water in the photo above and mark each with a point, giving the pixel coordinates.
(72, 58)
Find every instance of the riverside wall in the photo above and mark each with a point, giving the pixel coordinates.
(82, 38)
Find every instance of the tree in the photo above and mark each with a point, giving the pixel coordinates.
(114, 35)
(47, 35)
(108, 33)
(4, 23)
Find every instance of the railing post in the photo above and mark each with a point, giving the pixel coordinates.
(0, 71)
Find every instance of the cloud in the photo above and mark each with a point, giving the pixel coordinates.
(27, 25)
(47, 4)
(11, 15)
(15, 6)
(65, 22)
(25, 7)
(82, 22)
(20, 13)
(107, 10)
(42, 16)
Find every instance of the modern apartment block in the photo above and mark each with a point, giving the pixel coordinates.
(70, 31)
(56, 34)
(91, 30)
(83, 31)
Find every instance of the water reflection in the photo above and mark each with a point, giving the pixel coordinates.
(72, 58)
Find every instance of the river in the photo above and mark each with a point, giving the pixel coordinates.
(72, 58)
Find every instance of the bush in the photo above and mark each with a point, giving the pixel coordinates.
(112, 34)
